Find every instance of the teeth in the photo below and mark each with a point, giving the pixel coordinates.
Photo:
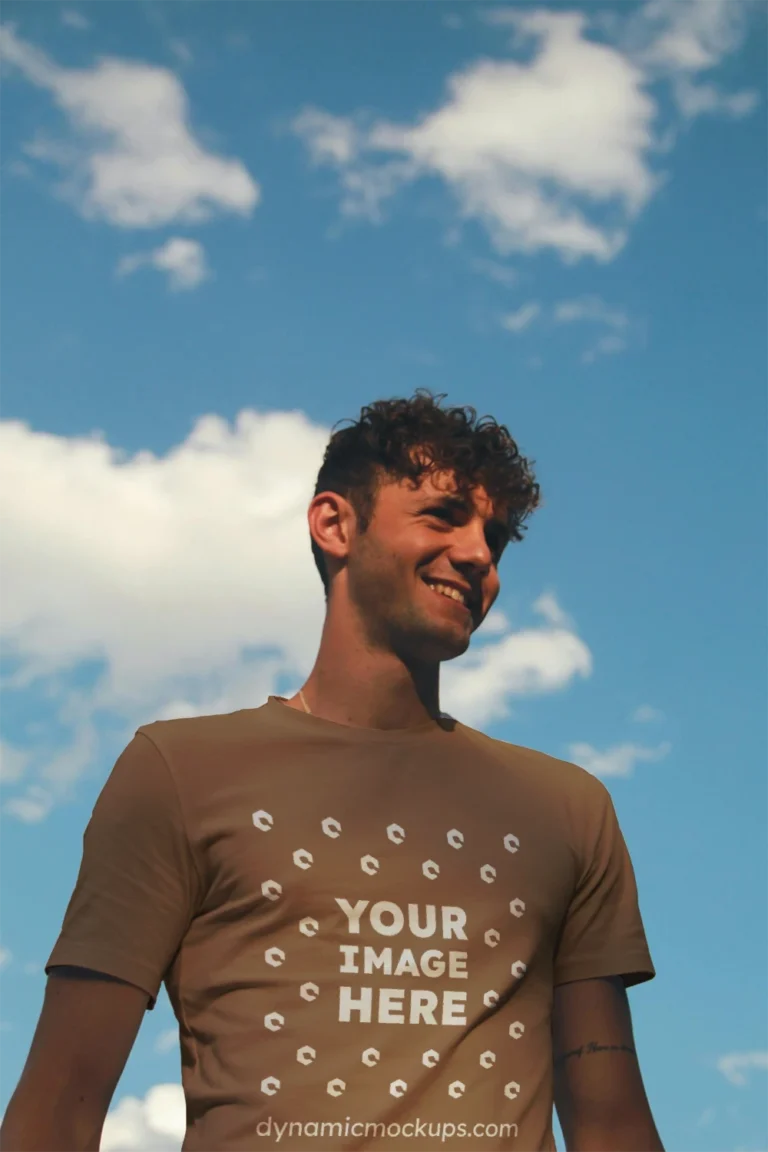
(446, 590)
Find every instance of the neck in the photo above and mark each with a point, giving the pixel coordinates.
(354, 683)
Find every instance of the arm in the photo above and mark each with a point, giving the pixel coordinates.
(83, 1038)
(599, 1091)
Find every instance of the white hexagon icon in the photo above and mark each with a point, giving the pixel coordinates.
(302, 858)
(270, 1085)
(512, 1090)
(430, 869)
(309, 991)
(262, 820)
(309, 926)
(395, 833)
(271, 889)
(456, 1089)
(430, 1058)
(517, 907)
(519, 969)
(369, 864)
(398, 1088)
(331, 827)
(455, 838)
(492, 937)
(274, 956)
(516, 1030)
(488, 1059)
(306, 1054)
(511, 843)
(274, 1021)
(371, 1057)
(490, 998)
(488, 873)
(335, 1087)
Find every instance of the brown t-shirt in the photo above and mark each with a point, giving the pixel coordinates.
(359, 930)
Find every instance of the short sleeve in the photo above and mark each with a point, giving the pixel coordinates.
(138, 885)
(603, 933)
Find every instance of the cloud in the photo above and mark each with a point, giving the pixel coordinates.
(183, 260)
(130, 157)
(156, 1123)
(181, 51)
(144, 586)
(72, 19)
(521, 319)
(533, 661)
(604, 346)
(590, 309)
(13, 762)
(646, 714)
(167, 1041)
(678, 40)
(5, 957)
(735, 1065)
(500, 273)
(529, 148)
(619, 760)
(550, 147)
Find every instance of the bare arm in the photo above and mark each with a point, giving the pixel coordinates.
(84, 1036)
(599, 1091)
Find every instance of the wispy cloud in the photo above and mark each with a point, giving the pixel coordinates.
(130, 157)
(181, 259)
(735, 1066)
(71, 18)
(521, 319)
(496, 271)
(167, 1041)
(618, 760)
(5, 957)
(590, 309)
(646, 714)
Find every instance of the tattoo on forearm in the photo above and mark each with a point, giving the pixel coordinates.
(590, 1048)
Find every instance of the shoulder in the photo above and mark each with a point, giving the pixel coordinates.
(561, 780)
(187, 735)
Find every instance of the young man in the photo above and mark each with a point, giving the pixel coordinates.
(379, 928)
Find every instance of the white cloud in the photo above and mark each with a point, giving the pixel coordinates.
(532, 661)
(5, 957)
(13, 762)
(646, 714)
(590, 309)
(548, 607)
(528, 148)
(521, 319)
(500, 273)
(680, 39)
(131, 157)
(167, 1041)
(181, 51)
(735, 1066)
(604, 346)
(182, 259)
(550, 148)
(186, 581)
(620, 760)
(156, 1123)
(73, 19)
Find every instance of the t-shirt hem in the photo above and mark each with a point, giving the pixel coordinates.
(71, 955)
(634, 969)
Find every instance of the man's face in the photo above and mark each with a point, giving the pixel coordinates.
(424, 575)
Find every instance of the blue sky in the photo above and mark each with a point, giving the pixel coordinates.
(227, 226)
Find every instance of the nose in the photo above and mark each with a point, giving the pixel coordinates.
(471, 549)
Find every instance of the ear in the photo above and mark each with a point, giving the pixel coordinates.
(332, 525)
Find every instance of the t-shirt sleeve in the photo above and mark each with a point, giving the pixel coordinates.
(138, 884)
(603, 933)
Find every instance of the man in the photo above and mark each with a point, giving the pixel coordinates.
(378, 928)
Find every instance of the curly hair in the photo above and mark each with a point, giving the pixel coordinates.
(382, 445)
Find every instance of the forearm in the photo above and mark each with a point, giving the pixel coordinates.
(627, 1136)
(35, 1126)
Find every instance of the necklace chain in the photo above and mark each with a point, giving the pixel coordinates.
(306, 706)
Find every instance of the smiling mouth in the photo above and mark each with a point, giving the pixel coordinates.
(448, 593)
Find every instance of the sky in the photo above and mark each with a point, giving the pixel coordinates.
(225, 227)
